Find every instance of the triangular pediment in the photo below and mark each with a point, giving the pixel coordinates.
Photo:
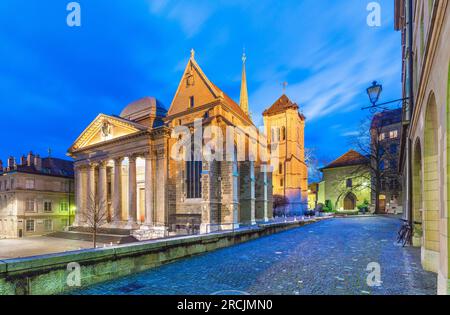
(105, 128)
(193, 83)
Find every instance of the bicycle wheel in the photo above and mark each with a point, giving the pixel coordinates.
(407, 237)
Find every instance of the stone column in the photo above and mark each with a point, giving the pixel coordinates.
(266, 194)
(161, 190)
(252, 193)
(148, 189)
(79, 196)
(117, 191)
(90, 196)
(102, 187)
(132, 193)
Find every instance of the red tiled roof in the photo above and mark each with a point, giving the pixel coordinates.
(348, 159)
(282, 104)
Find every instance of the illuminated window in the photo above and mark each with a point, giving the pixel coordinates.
(382, 136)
(393, 134)
(63, 206)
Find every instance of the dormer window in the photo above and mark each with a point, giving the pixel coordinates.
(191, 102)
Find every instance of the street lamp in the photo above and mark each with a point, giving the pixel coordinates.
(374, 92)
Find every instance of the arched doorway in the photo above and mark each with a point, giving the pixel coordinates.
(431, 187)
(350, 202)
(417, 188)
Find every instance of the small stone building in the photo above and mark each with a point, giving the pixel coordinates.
(128, 161)
(346, 182)
(36, 196)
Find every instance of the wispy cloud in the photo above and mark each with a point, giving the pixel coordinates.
(190, 15)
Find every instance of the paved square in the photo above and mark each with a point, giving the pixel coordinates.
(38, 245)
(329, 257)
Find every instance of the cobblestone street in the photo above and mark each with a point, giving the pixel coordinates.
(329, 257)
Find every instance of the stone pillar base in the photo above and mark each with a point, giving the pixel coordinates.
(206, 228)
(131, 225)
(150, 232)
(443, 287)
(430, 260)
(416, 241)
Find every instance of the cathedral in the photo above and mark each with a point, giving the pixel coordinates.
(126, 166)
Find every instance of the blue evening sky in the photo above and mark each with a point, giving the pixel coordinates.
(54, 79)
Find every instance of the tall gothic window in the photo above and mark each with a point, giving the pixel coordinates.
(193, 178)
(283, 133)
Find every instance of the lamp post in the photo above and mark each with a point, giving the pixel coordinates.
(374, 92)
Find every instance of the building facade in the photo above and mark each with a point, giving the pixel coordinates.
(285, 128)
(386, 128)
(132, 162)
(425, 27)
(36, 196)
(346, 182)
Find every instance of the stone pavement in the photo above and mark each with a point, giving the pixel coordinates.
(38, 245)
(329, 257)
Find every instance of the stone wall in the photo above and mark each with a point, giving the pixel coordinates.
(48, 274)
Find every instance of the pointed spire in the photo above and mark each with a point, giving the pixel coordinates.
(192, 53)
(243, 101)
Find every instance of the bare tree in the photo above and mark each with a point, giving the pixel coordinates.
(96, 215)
(312, 162)
(370, 142)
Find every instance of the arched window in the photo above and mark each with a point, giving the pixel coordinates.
(280, 168)
(193, 176)
(278, 134)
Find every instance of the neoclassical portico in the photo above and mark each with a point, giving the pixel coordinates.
(125, 164)
(118, 183)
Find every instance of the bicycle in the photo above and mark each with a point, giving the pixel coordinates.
(405, 234)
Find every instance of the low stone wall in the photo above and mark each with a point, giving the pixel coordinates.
(48, 274)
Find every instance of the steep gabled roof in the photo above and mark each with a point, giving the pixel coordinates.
(216, 92)
(282, 104)
(348, 159)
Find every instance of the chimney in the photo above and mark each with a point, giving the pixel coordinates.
(30, 158)
(23, 160)
(11, 162)
(38, 162)
(1, 166)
